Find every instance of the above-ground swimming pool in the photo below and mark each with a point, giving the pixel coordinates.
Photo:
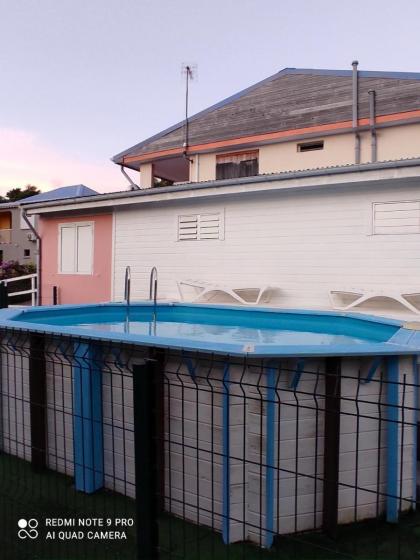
(226, 329)
(273, 421)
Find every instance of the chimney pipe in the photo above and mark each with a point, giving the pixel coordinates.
(372, 122)
(355, 119)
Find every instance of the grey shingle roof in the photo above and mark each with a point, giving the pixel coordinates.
(293, 98)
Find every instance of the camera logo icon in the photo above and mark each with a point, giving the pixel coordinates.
(27, 528)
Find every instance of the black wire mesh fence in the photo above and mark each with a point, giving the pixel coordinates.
(115, 451)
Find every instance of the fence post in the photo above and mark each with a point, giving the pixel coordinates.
(4, 298)
(331, 445)
(144, 402)
(392, 429)
(38, 401)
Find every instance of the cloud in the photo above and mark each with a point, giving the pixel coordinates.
(26, 158)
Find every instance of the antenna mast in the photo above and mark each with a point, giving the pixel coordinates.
(189, 71)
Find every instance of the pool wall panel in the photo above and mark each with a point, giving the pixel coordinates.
(15, 408)
(195, 483)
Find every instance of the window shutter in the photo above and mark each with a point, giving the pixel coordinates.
(76, 248)
(209, 226)
(187, 227)
(84, 249)
(200, 226)
(68, 249)
(396, 217)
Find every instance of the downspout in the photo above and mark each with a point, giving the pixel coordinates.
(38, 256)
(197, 167)
(355, 120)
(133, 186)
(372, 122)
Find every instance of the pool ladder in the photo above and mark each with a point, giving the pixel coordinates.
(127, 297)
(153, 287)
(127, 285)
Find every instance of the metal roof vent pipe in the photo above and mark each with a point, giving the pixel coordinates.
(355, 116)
(372, 123)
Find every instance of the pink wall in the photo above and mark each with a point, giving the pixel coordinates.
(77, 288)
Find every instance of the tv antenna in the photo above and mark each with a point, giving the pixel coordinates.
(190, 73)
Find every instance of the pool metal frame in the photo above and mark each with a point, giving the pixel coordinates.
(404, 341)
(87, 403)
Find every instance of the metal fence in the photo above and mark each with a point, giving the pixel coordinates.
(118, 451)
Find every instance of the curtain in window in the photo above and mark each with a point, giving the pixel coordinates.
(230, 166)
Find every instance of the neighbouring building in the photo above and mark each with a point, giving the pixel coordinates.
(307, 181)
(17, 243)
(62, 265)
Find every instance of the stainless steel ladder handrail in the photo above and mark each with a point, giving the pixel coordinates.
(153, 288)
(127, 285)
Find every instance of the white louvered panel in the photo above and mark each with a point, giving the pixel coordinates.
(200, 226)
(187, 228)
(209, 226)
(396, 217)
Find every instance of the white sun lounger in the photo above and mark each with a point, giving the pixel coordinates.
(360, 296)
(203, 288)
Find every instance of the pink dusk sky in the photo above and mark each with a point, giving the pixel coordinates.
(82, 80)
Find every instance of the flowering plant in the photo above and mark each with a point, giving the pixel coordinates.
(12, 269)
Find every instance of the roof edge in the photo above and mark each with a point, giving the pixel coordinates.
(282, 176)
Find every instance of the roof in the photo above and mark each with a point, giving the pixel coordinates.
(5, 205)
(326, 177)
(294, 98)
(72, 191)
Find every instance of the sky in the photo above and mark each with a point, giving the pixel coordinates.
(81, 80)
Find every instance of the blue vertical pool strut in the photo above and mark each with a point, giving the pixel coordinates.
(87, 419)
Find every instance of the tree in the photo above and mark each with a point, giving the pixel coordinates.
(18, 193)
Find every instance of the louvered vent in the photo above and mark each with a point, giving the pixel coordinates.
(396, 217)
(200, 226)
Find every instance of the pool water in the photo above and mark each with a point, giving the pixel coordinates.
(222, 329)
(222, 333)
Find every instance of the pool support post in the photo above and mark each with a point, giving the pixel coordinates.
(270, 452)
(4, 298)
(87, 418)
(392, 427)
(226, 455)
(145, 430)
(38, 401)
(331, 445)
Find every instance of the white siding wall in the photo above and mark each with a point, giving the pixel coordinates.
(304, 242)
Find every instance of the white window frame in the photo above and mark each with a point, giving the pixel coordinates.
(75, 225)
(373, 221)
(198, 215)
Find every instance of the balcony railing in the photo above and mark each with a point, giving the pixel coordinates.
(32, 291)
(5, 236)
